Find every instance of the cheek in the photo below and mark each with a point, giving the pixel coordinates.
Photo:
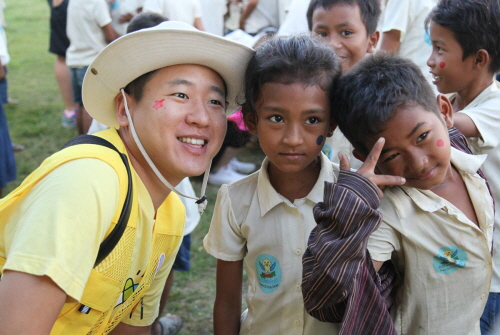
(440, 143)
(319, 140)
(442, 65)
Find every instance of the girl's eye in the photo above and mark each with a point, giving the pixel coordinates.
(276, 118)
(346, 33)
(312, 120)
(422, 137)
(180, 95)
(391, 157)
(216, 102)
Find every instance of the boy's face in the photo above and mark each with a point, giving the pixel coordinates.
(292, 122)
(450, 72)
(181, 119)
(417, 147)
(342, 27)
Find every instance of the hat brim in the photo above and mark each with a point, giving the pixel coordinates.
(146, 50)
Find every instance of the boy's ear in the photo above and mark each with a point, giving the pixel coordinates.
(445, 109)
(482, 59)
(373, 41)
(250, 122)
(358, 155)
(120, 109)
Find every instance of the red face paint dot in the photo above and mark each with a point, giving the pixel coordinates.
(440, 143)
(158, 104)
(442, 65)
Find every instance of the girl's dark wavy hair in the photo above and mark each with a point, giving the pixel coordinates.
(287, 60)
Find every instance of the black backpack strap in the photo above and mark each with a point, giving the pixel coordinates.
(112, 239)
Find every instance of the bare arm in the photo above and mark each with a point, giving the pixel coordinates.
(250, 7)
(198, 24)
(391, 41)
(227, 308)
(109, 33)
(465, 125)
(28, 304)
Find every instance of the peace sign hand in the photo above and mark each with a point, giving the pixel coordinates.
(367, 170)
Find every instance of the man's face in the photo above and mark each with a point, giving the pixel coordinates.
(181, 120)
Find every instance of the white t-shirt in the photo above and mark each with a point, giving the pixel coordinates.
(444, 258)
(484, 111)
(213, 12)
(4, 52)
(251, 221)
(339, 143)
(408, 16)
(265, 14)
(295, 21)
(175, 10)
(86, 18)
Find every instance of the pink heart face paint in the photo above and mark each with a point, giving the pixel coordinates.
(442, 65)
(158, 104)
(319, 140)
(440, 143)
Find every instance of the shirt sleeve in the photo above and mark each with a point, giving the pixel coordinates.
(197, 9)
(487, 120)
(397, 16)
(61, 222)
(336, 250)
(225, 240)
(101, 13)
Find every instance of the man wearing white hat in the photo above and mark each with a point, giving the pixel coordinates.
(164, 92)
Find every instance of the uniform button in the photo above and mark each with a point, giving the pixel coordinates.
(298, 252)
(296, 322)
(298, 287)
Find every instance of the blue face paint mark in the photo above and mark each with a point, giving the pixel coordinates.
(319, 140)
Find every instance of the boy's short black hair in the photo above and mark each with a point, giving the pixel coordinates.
(475, 24)
(145, 20)
(369, 9)
(370, 94)
(287, 60)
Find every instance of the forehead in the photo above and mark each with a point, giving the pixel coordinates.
(188, 73)
(338, 13)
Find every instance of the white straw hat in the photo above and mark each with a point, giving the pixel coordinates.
(169, 43)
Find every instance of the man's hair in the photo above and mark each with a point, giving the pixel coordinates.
(141, 21)
(475, 24)
(145, 20)
(288, 60)
(370, 94)
(369, 9)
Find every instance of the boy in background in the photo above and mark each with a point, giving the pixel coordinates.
(351, 28)
(436, 229)
(89, 30)
(465, 57)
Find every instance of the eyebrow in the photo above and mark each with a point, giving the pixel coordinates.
(413, 131)
(283, 110)
(213, 88)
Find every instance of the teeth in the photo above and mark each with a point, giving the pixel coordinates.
(193, 141)
(436, 77)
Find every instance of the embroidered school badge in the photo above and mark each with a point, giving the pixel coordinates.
(327, 150)
(268, 273)
(449, 259)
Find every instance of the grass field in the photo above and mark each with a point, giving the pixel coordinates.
(35, 123)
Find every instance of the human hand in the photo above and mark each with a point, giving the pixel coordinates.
(126, 18)
(367, 170)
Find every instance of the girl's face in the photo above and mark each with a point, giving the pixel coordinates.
(292, 122)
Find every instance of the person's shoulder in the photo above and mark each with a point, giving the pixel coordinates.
(246, 185)
(396, 203)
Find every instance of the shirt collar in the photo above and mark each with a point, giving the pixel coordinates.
(428, 200)
(269, 198)
(487, 93)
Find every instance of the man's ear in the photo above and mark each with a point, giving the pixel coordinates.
(358, 155)
(333, 126)
(482, 59)
(445, 109)
(250, 122)
(373, 41)
(121, 115)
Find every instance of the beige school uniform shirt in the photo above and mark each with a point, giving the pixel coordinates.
(484, 111)
(444, 258)
(251, 221)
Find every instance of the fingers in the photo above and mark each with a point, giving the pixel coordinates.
(383, 181)
(344, 161)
